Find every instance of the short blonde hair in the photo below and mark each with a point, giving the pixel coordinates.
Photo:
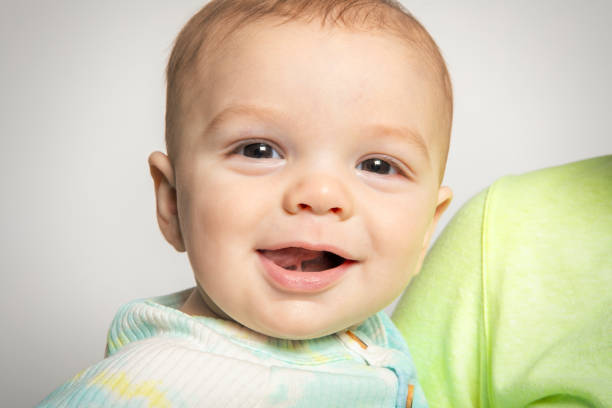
(210, 26)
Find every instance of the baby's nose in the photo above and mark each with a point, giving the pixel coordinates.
(321, 194)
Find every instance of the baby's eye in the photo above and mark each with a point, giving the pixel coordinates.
(378, 166)
(257, 150)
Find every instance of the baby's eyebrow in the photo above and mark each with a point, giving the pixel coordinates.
(399, 133)
(242, 110)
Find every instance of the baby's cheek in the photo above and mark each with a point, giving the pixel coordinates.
(403, 235)
(403, 246)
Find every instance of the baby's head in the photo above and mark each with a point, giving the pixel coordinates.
(306, 143)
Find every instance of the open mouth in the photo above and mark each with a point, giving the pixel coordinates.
(303, 260)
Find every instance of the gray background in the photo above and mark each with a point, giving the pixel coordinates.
(82, 104)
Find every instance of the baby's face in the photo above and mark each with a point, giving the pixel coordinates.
(308, 179)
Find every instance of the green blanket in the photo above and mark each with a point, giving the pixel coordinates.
(513, 306)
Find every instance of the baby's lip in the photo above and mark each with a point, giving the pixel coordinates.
(312, 247)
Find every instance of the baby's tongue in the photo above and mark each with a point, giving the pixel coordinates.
(300, 259)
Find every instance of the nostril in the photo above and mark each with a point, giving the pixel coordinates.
(302, 206)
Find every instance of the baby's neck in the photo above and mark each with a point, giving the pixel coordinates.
(195, 305)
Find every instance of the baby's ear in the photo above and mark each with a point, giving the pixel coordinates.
(165, 196)
(445, 195)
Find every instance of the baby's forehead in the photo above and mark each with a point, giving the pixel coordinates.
(227, 40)
(420, 51)
(255, 38)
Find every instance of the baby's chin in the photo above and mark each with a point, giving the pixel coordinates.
(292, 330)
(295, 321)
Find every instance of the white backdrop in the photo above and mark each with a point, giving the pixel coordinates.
(82, 105)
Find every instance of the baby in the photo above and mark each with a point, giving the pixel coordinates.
(306, 146)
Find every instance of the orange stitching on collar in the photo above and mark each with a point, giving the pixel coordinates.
(357, 339)
(409, 396)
